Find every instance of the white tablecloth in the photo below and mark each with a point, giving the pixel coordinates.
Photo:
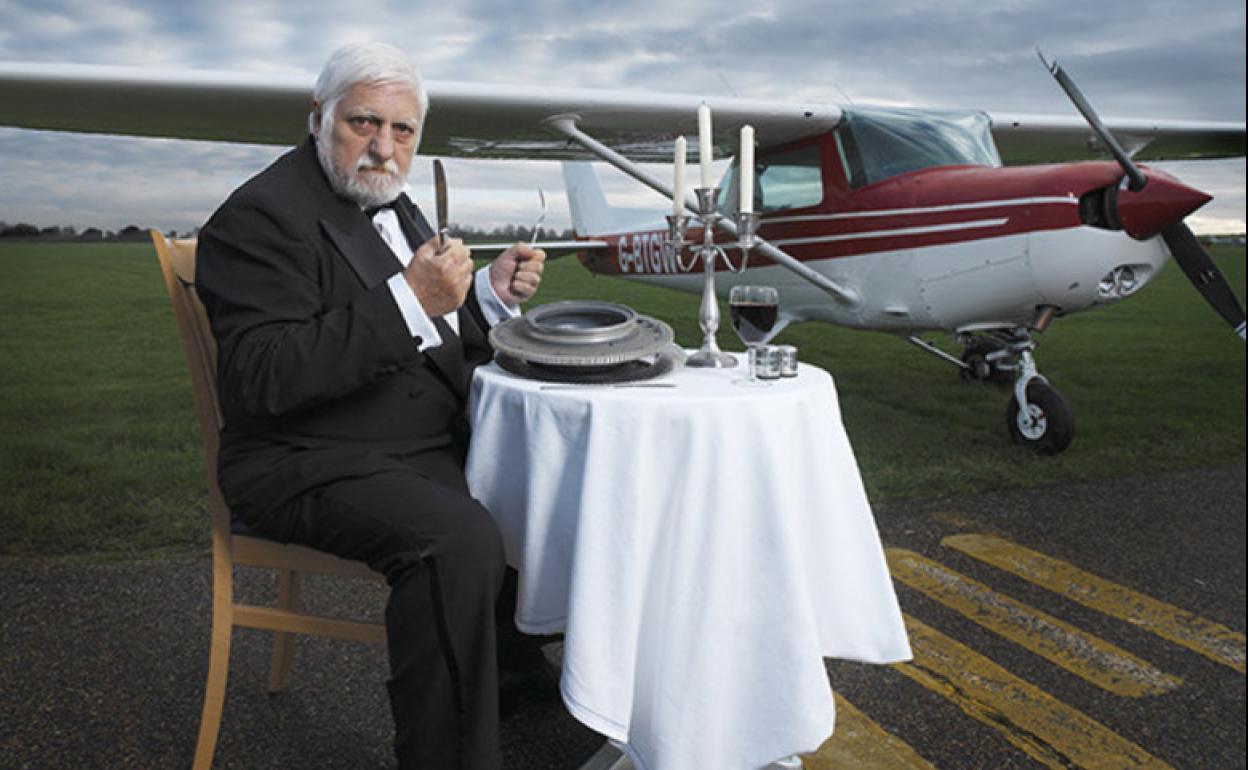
(702, 546)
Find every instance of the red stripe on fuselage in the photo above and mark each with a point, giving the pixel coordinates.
(926, 208)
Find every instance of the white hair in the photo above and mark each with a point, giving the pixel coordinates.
(367, 62)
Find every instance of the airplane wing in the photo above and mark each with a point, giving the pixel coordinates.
(465, 119)
(478, 120)
(1051, 139)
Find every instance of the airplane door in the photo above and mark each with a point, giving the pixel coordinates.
(891, 296)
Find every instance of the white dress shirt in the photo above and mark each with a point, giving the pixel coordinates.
(419, 324)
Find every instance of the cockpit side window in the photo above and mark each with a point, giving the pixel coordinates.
(791, 179)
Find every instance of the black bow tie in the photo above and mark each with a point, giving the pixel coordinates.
(372, 211)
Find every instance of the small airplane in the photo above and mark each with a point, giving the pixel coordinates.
(905, 221)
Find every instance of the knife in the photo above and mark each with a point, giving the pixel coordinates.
(439, 196)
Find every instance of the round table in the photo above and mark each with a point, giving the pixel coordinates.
(702, 543)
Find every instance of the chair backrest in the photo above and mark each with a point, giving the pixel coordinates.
(177, 265)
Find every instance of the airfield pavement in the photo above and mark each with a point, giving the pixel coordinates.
(102, 666)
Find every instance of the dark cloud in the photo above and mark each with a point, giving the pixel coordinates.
(1133, 59)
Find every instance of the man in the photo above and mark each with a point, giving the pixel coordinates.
(346, 342)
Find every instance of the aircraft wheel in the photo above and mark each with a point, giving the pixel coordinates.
(979, 368)
(1049, 425)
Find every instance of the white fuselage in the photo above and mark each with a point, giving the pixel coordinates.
(966, 286)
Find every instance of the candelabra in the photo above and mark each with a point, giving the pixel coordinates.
(709, 355)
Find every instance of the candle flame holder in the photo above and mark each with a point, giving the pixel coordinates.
(707, 199)
(747, 233)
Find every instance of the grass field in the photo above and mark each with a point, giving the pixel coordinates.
(100, 453)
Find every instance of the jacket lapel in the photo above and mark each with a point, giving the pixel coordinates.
(415, 226)
(360, 245)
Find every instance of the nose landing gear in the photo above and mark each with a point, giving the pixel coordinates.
(1037, 415)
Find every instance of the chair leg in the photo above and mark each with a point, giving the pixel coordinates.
(284, 641)
(218, 669)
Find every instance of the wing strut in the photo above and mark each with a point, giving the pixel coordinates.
(565, 125)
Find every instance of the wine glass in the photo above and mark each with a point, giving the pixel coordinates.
(754, 311)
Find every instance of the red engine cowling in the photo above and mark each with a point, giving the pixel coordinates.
(1163, 201)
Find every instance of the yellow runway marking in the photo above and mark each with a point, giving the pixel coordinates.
(1048, 730)
(861, 744)
(1206, 637)
(1079, 652)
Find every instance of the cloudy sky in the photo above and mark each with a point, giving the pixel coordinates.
(1133, 58)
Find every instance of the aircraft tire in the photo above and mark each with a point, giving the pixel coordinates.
(980, 369)
(1053, 426)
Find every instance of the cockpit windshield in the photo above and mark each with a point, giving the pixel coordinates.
(877, 143)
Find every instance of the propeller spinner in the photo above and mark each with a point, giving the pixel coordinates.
(1156, 205)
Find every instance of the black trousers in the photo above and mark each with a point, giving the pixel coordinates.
(442, 556)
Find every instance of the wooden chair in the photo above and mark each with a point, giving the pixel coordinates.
(177, 263)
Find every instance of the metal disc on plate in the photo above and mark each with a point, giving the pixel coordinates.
(629, 371)
(580, 323)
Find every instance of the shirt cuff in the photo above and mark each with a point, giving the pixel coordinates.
(419, 325)
(494, 309)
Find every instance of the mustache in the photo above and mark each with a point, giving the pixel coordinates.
(364, 163)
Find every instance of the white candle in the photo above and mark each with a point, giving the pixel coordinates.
(678, 178)
(704, 143)
(747, 169)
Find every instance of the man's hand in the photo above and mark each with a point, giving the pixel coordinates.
(440, 280)
(517, 272)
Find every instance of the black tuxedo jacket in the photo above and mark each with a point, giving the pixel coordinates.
(318, 376)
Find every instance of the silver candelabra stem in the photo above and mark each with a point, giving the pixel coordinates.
(709, 355)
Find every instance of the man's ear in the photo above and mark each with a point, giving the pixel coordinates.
(314, 119)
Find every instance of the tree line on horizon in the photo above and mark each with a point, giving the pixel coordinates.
(502, 234)
(23, 231)
(133, 233)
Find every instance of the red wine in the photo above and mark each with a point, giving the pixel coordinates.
(753, 320)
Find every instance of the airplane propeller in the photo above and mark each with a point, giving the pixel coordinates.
(1161, 213)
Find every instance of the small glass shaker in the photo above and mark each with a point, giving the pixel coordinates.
(767, 363)
(788, 360)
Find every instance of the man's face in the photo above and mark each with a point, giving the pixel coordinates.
(371, 141)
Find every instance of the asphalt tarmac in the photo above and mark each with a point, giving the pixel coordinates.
(103, 666)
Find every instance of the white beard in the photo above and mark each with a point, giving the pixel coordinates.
(365, 188)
